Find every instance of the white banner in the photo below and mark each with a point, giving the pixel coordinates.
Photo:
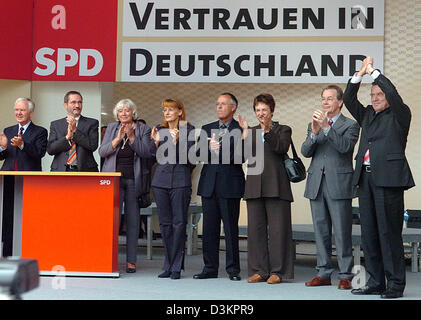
(247, 41)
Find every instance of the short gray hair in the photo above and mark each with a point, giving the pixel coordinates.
(31, 104)
(125, 103)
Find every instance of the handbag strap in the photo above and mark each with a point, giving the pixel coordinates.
(294, 153)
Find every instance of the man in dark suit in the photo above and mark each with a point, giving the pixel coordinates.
(330, 142)
(21, 147)
(382, 174)
(73, 139)
(221, 187)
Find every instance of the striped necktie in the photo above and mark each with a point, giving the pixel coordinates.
(222, 132)
(72, 153)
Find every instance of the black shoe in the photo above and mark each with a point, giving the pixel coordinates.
(235, 277)
(205, 275)
(391, 294)
(165, 274)
(175, 275)
(130, 270)
(368, 290)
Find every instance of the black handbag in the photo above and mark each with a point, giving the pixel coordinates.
(144, 200)
(296, 171)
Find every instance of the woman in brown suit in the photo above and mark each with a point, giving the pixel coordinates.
(269, 197)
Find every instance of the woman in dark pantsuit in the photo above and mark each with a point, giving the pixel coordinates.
(171, 183)
(125, 143)
(269, 197)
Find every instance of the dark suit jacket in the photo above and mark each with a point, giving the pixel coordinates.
(142, 146)
(86, 138)
(230, 176)
(176, 173)
(29, 158)
(273, 182)
(385, 133)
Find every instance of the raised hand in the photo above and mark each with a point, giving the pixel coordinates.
(3, 140)
(213, 144)
(315, 126)
(320, 118)
(244, 125)
(129, 130)
(364, 67)
(16, 141)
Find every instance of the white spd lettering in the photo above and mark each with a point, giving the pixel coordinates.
(104, 182)
(68, 58)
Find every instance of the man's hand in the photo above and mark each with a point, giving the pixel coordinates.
(365, 69)
(320, 118)
(213, 144)
(16, 141)
(3, 140)
(71, 127)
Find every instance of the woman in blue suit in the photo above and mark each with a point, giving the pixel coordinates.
(171, 183)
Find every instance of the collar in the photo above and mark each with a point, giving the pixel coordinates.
(335, 117)
(220, 123)
(24, 127)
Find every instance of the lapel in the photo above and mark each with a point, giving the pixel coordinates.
(232, 125)
(81, 123)
(371, 116)
(339, 122)
(28, 132)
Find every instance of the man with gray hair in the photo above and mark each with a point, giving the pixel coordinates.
(330, 142)
(21, 147)
(73, 139)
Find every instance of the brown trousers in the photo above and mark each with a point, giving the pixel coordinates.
(270, 245)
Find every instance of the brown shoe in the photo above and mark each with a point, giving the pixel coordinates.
(274, 279)
(317, 282)
(255, 278)
(344, 284)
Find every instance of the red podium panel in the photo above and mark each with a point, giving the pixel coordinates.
(69, 222)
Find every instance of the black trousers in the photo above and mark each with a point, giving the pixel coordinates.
(173, 206)
(8, 203)
(381, 215)
(216, 209)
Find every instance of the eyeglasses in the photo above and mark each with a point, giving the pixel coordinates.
(224, 104)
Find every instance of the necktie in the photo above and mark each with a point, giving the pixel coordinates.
(367, 157)
(330, 122)
(72, 153)
(16, 160)
(222, 131)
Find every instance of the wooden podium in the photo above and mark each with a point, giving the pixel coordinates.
(68, 221)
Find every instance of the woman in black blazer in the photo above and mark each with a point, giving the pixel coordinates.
(171, 183)
(269, 197)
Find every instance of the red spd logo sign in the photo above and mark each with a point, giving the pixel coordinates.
(75, 40)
